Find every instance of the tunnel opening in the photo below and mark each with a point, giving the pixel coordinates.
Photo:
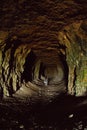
(48, 71)
(51, 72)
(56, 72)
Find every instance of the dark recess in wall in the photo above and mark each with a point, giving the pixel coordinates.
(66, 69)
(28, 66)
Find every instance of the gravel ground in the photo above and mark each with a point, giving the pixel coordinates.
(64, 113)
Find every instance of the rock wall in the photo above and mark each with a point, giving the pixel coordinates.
(12, 59)
(74, 38)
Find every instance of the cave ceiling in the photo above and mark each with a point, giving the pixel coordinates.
(37, 23)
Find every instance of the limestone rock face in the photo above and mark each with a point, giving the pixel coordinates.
(43, 45)
(74, 38)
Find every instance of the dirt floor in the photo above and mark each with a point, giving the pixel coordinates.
(63, 113)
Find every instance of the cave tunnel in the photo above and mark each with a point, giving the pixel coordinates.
(43, 64)
(50, 70)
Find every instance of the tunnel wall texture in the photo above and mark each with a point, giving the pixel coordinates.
(74, 37)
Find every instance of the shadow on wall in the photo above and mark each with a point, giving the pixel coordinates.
(65, 67)
(28, 67)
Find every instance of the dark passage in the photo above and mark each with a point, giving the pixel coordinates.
(28, 67)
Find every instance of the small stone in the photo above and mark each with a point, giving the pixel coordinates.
(21, 126)
(71, 115)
